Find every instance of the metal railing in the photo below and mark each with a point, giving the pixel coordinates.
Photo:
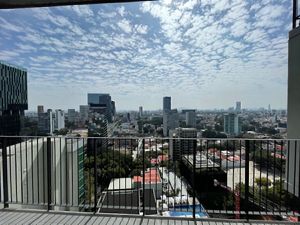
(231, 178)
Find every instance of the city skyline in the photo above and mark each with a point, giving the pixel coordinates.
(180, 108)
(144, 51)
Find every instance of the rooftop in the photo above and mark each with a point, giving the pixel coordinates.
(120, 184)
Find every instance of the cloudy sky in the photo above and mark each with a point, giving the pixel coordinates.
(203, 53)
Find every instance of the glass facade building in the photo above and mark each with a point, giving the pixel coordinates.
(102, 104)
(232, 125)
(13, 98)
(166, 104)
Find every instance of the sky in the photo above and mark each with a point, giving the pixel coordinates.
(205, 54)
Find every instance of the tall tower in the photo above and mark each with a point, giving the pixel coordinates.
(232, 124)
(140, 111)
(170, 117)
(59, 119)
(238, 107)
(13, 98)
(167, 104)
(101, 104)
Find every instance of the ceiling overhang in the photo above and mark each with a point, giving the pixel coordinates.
(11, 4)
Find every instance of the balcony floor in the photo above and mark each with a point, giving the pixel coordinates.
(8, 216)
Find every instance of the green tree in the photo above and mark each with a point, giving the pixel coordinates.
(213, 134)
(263, 182)
(62, 131)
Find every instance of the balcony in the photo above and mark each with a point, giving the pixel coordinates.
(179, 179)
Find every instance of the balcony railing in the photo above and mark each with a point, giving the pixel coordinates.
(229, 178)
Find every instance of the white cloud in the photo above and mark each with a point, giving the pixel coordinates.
(142, 29)
(121, 11)
(125, 25)
(9, 26)
(163, 47)
(83, 10)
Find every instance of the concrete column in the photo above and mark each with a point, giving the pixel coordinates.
(293, 169)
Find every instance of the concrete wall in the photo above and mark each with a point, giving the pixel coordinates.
(27, 173)
(293, 158)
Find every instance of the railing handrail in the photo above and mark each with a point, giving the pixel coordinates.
(95, 153)
(157, 138)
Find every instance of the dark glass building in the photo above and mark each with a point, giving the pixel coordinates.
(167, 104)
(13, 98)
(102, 104)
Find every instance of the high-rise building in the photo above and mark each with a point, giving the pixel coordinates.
(141, 111)
(113, 105)
(71, 115)
(46, 122)
(101, 104)
(84, 112)
(167, 104)
(170, 121)
(40, 109)
(190, 118)
(238, 107)
(232, 125)
(170, 116)
(59, 119)
(101, 112)
(128, 117)
(50, 121)
(180, 147)
(13, 98)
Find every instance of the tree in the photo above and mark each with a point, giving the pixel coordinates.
(70, 125)
(30, 127)
(159, 132)
(268, 130)
(263, 182)
(157, 121)
(266, 160)
(219, 128)
(146, 129)
(62, 131)
(109, 164)
(213, 134)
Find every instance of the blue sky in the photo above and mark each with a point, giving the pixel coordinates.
(203, 53)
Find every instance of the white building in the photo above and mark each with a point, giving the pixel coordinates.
(59, 119)
(152, 180)
(118, 184)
